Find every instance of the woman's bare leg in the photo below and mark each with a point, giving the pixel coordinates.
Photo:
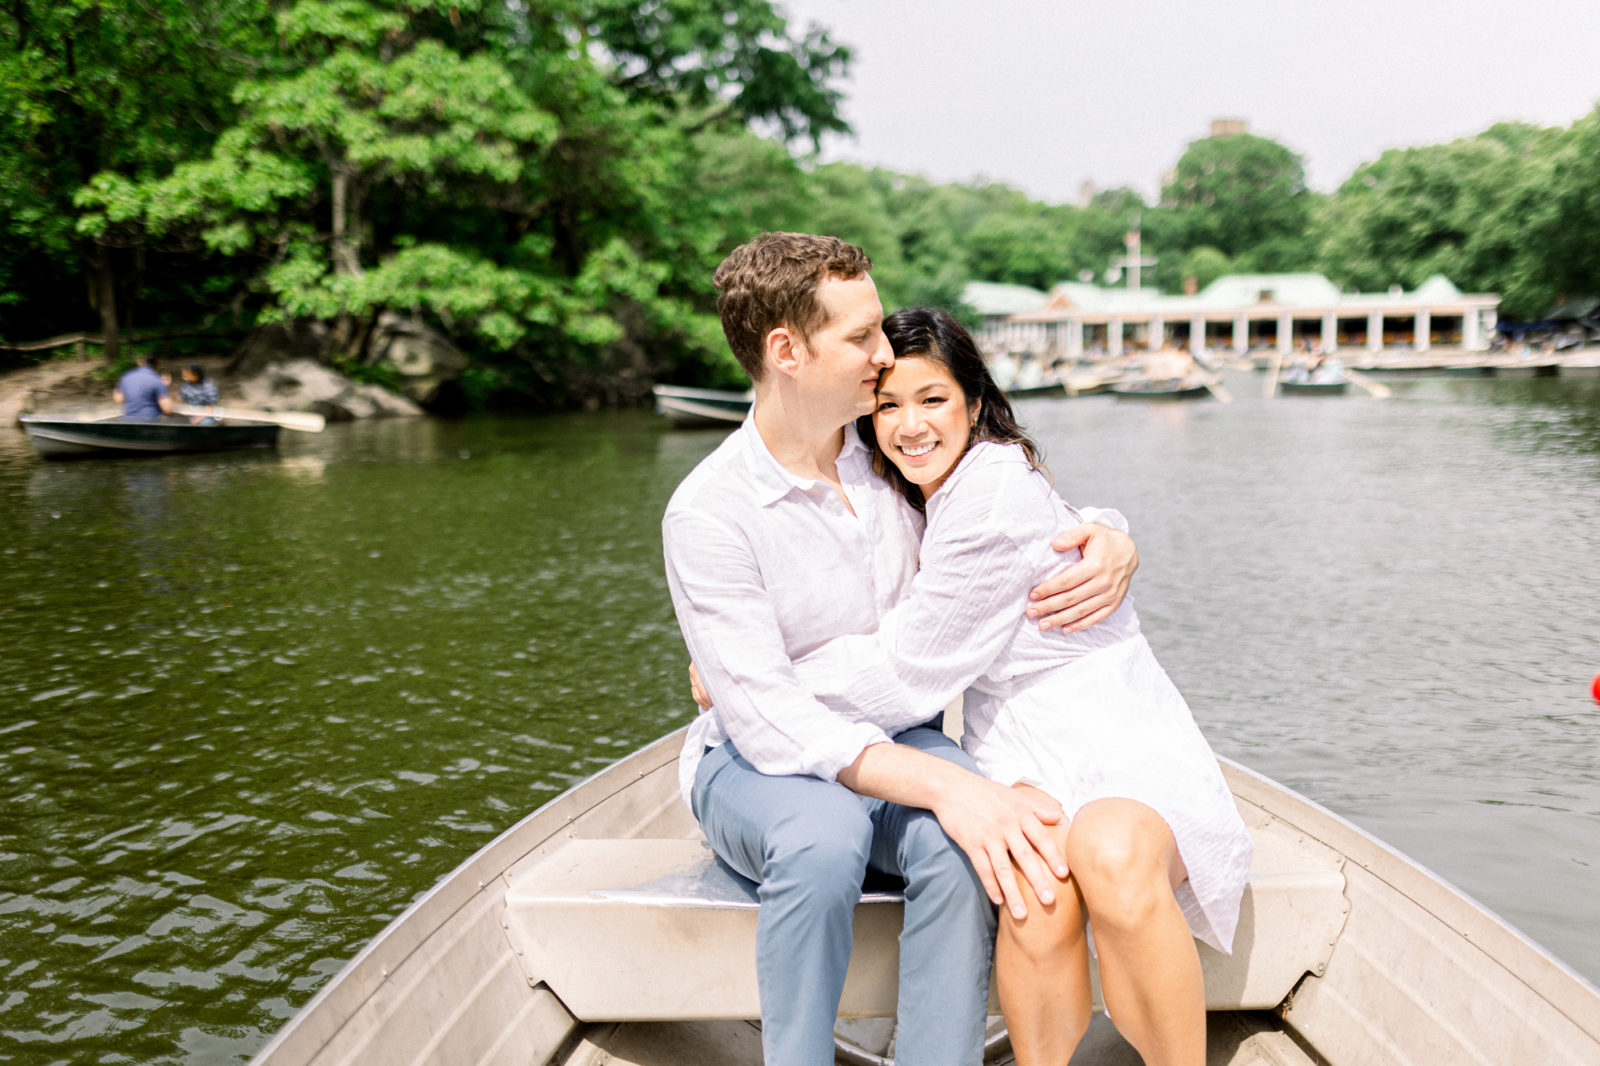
(1042, 973)
(1124, 858)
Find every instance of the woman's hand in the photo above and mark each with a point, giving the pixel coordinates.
(701, 696)
(1087, 591)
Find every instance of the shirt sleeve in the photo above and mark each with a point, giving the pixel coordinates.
(1106, 516)
(965, 604)
(728, 622)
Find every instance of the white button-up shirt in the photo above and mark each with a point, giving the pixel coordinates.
(764, 567)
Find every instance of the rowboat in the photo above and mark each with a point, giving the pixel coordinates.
(600, 929)
(1043, 390)
(1314, 388)
(1159, 390)
(62, 438)
(701, 407)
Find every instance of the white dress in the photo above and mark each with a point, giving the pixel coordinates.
(1083, 716)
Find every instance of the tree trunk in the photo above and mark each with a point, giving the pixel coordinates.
(105, 300)
(346, 251)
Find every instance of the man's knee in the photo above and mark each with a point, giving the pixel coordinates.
(820, 852)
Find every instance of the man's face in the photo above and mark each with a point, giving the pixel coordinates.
(841, 359)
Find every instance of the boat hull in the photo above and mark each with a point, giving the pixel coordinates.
(1314, 388)
(695, 408)
(1160, 393)
(1417, 974)
(63, 438)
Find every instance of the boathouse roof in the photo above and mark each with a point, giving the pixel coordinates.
(1230, 294)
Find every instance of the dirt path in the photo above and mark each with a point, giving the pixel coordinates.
(56, 385)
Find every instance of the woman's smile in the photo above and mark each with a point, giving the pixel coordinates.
(922, 420)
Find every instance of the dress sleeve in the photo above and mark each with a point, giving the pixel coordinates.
(733, 635)
(965, 603)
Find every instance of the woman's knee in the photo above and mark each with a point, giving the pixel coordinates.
(1122, 856)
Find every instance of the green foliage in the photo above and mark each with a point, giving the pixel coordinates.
(1503, 211)
(1237, 193)
(553, 184)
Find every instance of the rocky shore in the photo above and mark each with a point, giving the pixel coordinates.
(79, 387)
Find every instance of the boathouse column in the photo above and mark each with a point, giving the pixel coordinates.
(1156, 335)
(1197, 335)
(1075, 338)
(1375, 331)
(1330, 332)
(1422, 333)
(1114, 336)
(1472, 330)
(1285, 333)
(1241, 334)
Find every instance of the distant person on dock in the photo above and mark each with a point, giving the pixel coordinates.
(197, 390)
(143, 393)
(780, 540)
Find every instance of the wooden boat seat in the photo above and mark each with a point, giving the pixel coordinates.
(654, 929)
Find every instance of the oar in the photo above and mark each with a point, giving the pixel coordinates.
(301, 420)
(1269, 388)
(1216, 389)
(1378, 389)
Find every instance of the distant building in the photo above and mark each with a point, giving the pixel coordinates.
(1239, 311)
(1227, 127)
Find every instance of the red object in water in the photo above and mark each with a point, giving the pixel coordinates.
(1594, 689)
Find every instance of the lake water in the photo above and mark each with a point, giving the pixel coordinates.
(251, 705)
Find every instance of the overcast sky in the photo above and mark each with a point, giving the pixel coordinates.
(1045, 95)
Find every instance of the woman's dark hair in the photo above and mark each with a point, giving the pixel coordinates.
(929, 333)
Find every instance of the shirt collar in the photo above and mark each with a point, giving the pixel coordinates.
(772, 481)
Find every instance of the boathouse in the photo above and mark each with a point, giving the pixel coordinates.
(1237, 311)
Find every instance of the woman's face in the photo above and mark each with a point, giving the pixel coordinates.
(922, 420)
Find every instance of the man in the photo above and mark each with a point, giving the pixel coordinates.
(143, 393)
(778, 541)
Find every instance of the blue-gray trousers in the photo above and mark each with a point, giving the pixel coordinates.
(809, 843)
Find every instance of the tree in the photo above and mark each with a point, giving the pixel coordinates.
(1504, 211)
(1237, 193)
(528, 177)
(124, 87)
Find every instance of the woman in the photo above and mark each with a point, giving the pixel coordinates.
(1157, 852)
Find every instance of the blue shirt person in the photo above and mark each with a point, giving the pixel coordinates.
(143, 393)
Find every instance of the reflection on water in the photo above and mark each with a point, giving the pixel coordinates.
(252, 704)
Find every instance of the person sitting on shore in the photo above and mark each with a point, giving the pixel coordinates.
(197, 390)
(143, 393)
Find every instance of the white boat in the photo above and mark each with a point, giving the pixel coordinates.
(701, 407)
(600, 930)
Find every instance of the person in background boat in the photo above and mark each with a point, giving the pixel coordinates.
(780, 540)
(197, 390)
(1157, 851)
(143, 393)
(1169, 366)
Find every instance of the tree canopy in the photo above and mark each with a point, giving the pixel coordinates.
(551, 185)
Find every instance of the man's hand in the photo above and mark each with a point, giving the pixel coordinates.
(995, 825)
(697, 690)
(1087, 591)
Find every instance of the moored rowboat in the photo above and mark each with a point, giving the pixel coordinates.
(1159, 390)
(701, 407)
(598, 929)
(1314, 388)
(61, 438)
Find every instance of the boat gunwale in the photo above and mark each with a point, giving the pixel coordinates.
(1547, 977)
(403, 936)
(1574, 996)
